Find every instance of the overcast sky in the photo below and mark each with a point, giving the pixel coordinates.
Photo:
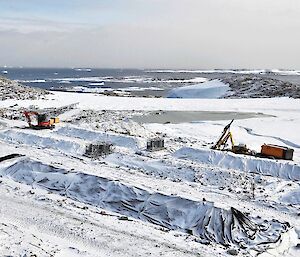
(184, 34)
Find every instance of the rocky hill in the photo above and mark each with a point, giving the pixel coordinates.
(10, 89)
(250, 86)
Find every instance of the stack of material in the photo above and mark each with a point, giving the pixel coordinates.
(155, 144)
(98, 149)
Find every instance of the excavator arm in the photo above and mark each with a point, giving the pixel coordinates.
(226, 134)
(28, 116)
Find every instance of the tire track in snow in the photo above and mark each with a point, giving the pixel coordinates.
(287, 142)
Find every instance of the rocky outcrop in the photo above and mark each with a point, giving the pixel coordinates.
(250, 86)
(10, 89)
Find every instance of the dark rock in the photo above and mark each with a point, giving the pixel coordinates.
(232, 252)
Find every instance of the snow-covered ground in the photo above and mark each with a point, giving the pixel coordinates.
(185, 200)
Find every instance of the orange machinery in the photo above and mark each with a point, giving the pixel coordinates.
(36, 120)
(267, 150)
(276, 151)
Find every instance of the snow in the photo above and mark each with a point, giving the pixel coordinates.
(284, 170)
(209, 89)
(123, 141)
(126, 79)
(258, 71)
(108, 89)
(70, 147)
(98, 102)
(292, 197)
(33, 81)
(156, 168)
(286, 72)
(255, 71)
(177, 202)
(55, 225)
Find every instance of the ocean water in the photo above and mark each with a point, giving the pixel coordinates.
(137, 82)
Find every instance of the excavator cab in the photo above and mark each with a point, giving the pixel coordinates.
(36, 120)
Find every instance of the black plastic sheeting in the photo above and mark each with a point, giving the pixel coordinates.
(10, 156)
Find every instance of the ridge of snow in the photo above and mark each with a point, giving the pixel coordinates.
(284, 170)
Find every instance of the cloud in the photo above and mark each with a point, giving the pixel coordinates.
(27, 26)
(160, 34)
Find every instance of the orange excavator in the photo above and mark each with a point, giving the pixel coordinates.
(36, 120)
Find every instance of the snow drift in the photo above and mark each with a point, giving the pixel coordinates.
(284, 170)
(201, 219)
(43, 142)
(93, 136)
(292, 197)
(209, 89)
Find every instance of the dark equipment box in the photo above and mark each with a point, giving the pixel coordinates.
(276, 151)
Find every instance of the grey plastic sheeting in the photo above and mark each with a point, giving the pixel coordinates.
(199, 218)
